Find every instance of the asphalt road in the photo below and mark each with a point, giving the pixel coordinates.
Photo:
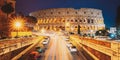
(57, 49)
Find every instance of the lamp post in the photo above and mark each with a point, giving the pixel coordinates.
(91, 33)
(17, 26)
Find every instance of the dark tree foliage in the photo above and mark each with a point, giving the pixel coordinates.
(34, 19)
(84, 35)
(7, 8)
(102, 33)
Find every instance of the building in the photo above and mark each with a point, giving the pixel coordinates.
(68, 19)
(113, 30)
(4, 22)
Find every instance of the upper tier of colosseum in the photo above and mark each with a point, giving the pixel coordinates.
(63, 12)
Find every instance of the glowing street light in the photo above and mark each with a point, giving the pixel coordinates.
(91, 33)
(67, 24)
(17, 23)
(42, 30)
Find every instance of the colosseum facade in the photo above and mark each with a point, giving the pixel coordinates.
(68, 19)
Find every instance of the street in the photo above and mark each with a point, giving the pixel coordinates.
(57, 49)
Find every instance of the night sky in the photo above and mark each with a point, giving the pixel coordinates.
(109, 7)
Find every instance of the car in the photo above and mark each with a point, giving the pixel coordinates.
(39, 49)
(67, 38)
(45, 42)
(69, 44)
(73, 49)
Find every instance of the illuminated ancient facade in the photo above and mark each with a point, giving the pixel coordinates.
(90, 20)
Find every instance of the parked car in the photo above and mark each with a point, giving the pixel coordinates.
(39, 49)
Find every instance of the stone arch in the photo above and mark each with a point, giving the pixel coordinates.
(88, 20)
(92, 21)
(76, 20)
(72, 20)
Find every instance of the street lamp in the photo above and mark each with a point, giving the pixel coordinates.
(42, 30)
(100, 33)
(17, 24)
(67, 24)
(91, 33)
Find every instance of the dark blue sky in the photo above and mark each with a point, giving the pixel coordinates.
(109, 7)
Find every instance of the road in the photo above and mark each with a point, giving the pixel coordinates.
(57, 49)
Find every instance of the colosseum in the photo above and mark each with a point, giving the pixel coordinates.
(87, 20)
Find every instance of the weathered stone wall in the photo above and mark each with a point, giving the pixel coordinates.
(99, 49)
(10, 55)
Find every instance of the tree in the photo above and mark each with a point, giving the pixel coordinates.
(7, 8)
(103, 32)
(31, 21)
(84, 35)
